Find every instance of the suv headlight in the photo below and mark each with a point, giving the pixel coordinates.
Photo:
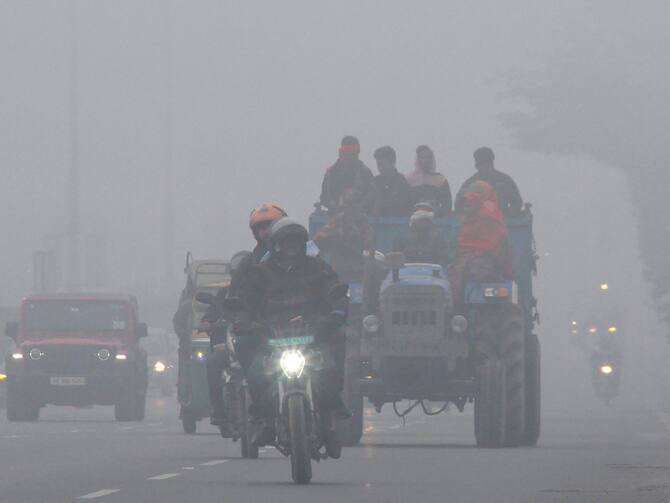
(371, 324)
(104, 354)
(292, 363)
(36, 354)
(159, 366)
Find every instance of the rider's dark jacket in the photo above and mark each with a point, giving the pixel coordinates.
(276, 293)
(216, 311)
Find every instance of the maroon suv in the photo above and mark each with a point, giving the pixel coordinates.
(79, 350)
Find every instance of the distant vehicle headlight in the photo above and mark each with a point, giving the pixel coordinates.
(606, 369)
(371, 324)
(199, 355)
(292, 363)
(159, 366)
(3, 377)
(36, 354)
(17, 356)
(104, 354)
(121, 357)
(459, 324)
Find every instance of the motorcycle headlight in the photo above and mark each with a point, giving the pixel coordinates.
(159, 367)
(371, 324)
(459, 324)
(292, 363)
(606, 369)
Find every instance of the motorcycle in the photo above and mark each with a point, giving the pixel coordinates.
(234, 388)
(606, 377)
(293, 360)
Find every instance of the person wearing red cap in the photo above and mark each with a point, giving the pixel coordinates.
(348, 181)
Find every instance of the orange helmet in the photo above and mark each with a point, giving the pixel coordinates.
(265, 213)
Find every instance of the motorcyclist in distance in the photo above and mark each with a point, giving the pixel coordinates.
(287, 285)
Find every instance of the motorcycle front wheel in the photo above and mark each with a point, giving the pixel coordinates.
(301, 452)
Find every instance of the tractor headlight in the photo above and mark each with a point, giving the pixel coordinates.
(292, 363)
(371, 324)
(606, 369)
(159, 366)
(459, 324)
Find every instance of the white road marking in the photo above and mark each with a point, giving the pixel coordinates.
(164, 476)
(188, 467)
(154, 424)
(16, 436)
(98, 494)
(214, 462)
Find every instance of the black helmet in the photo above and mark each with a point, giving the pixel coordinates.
(237, 259)
(287, 227)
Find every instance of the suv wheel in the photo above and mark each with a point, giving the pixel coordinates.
(20, 408)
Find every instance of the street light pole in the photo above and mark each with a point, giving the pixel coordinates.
(168, 210)
(73, 262)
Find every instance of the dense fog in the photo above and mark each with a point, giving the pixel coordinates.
(246, 102)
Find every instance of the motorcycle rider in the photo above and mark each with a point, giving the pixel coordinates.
(218, 357)
(287, 285)
(427, 184)
(509, 197)
(348, 180)
(260, 221)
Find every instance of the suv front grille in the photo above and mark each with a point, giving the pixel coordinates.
(66, 360)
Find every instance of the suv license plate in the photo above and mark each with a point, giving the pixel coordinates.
(68, 381)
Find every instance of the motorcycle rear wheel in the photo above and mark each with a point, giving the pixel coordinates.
(249, 449)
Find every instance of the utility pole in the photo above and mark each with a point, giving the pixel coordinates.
(73, 230)
(168, 175)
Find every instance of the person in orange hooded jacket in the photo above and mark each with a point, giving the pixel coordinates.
(483, 246)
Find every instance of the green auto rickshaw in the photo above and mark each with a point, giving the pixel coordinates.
(192, 388)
